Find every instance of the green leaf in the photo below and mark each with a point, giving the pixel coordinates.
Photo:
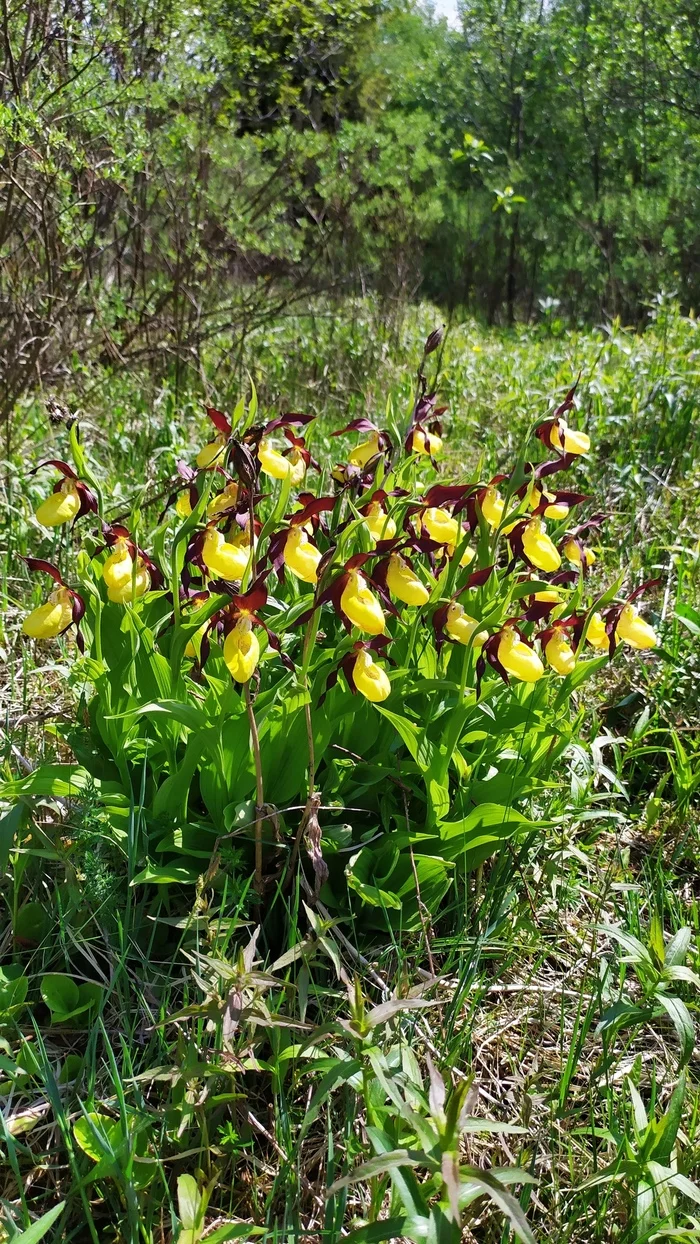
(13, 987)
(636, 951)
(689, 617)
(190, 1202)
(374, 1232)
(420, 747)
(31, 924)
(98, 1135)
(166, 874)
(679, 1016)
(505, 1201)
(677, 948)
(60, 993)
(38, 1229)
(477, 836)
(671, 1121)
(12, 823)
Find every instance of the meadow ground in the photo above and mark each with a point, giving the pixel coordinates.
(562, 972)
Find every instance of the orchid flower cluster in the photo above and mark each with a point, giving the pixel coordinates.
(496, 568)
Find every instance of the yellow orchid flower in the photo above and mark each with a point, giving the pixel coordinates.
(596, 634)
(211, 452)
(272, 462)
(518, 658)
(183, 505)
(224, 560)
(567, 440)
(559, 653)
(50, 619)
(361, 606)
(492, 506)
(556, 509)
(242, 650)
(369, 678)
(378, 523)
(572, 553)
(60, 507)
(428, 443)
(441, 526)
(634, 630)
(301, 556)
(366, 450)
(403, 582)
(223, 501)
(460, 626)
(538, 547)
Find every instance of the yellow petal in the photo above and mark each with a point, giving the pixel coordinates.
(223, 560)
(426, 443)
(441, 526)
(492, 507)
(301, 556)
(362, 453)
(119, 567)
(518, 658)
(572, 442)
(560, 655)
(538, 547)
(133, 587)
(183, 505)
(224, 501)
(404, 584)
(242, 651)
(209, 454)
(460, 626)
(370, 679)
(596, 634)
(634, 630)
(48, 620)
(378, 523)
(361, 607)
(60, 507)
(272, 462)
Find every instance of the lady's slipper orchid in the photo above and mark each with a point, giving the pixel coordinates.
(63, 608)
(554, 509)
(242, 650)
(301, 556)
(361, 606)
(424, 441)
(558, 651)
(379, 524)
(568, 440)
(126, 578)
(222, 559)
(492, 506)
(537, 546)
(403, 582)
(462, 628)
(441, 526)
(575, 552)
(632, 628)
(183, 505)
(596, 633)
(369, 678)
(272, 462)
(224, 501)
(377, 443)
(215, 450)
(70, 499)
(517, 657)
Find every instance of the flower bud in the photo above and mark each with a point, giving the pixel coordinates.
(360, 605)
(518, 658)
(369, 678)
(50, 619)
(60, 507)
(301, 556)
(434, 341)
(460, 626)
(403, 582)
(634, 630)
(538, 547)
(242, 650)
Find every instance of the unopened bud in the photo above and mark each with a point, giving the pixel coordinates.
(434, 340)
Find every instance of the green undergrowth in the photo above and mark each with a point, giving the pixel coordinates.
(521, 1059)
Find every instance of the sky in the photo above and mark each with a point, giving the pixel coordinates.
(448, 9)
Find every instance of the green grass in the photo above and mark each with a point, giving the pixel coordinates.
(535, 1005)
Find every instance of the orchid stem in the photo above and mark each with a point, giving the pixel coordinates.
(259, 790)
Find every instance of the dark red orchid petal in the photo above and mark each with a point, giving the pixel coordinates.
(564, 578)
(256, 596)
(293, 419)
(490, 651)
(311, 510)
(78, 606)
(156, 574)
(37, 563)
(275, 552)
(193, 552)
(480, 670)
(568, 400)
(88, 500)
(612, 617)
(477, 578)
(357, 425)
(347, 665)
(439, 620)
(539, 609)
(246, 465)
(357, 560)
(274, 642)
(64, 467)
(424, 407)
(444, 494)
(218, 418)
(643, 587)
(552, 467)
